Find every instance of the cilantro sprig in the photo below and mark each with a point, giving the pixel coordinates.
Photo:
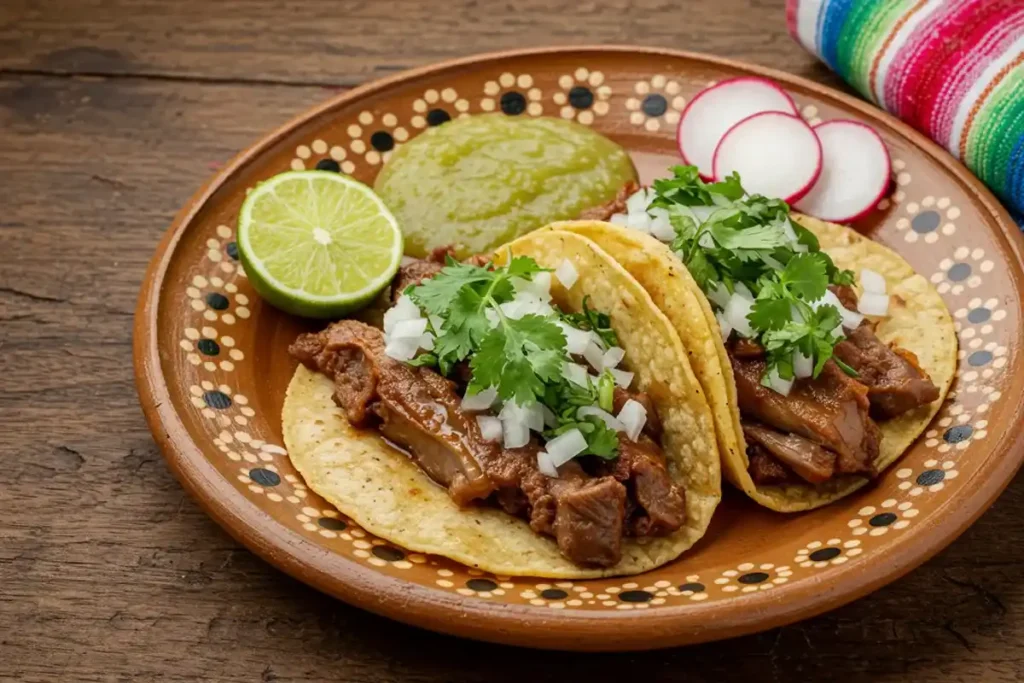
(523, 358)
(726, 238)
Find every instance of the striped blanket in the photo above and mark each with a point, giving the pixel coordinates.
(953, 69)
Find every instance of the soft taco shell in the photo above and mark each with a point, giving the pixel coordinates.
(389, 496)
(918, 321)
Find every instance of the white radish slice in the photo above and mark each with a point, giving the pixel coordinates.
(854, 175)
(777, 155)
(714, 111)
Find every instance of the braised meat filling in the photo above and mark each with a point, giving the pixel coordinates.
(826, 426)
(588, 509)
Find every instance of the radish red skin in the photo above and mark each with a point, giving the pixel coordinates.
(884, 177)
(739, 79)
(798, 193)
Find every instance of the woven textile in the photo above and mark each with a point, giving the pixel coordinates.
(953, 69)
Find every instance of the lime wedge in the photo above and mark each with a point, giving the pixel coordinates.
(317, 244)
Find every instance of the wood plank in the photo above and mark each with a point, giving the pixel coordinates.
(109, 572)
(345, 43)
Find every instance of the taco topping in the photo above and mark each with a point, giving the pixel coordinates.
(490, 390)
(811, 375)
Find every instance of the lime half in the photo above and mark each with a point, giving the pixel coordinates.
(317, 244)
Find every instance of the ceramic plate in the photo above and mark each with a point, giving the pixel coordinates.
(212, 368)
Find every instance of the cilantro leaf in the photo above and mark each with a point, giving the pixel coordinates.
(769, 314)
(436, 294)
(518, 357)
(805, 276)
(524, 267)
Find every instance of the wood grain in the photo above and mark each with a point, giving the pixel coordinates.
(111, 114)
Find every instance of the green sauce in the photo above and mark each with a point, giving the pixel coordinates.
(481, 181)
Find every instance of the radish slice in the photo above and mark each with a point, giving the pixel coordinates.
(854, 176)
(714, 111)
(777, 155)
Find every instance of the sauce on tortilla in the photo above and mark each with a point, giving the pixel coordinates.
(481, 181)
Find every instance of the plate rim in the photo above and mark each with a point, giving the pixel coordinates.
(520, 624)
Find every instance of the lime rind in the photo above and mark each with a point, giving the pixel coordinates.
(306, 254)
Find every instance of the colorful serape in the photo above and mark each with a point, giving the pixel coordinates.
(953, 69)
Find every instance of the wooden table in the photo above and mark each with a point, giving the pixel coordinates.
(111, 115)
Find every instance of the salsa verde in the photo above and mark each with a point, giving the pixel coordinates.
(480, 181)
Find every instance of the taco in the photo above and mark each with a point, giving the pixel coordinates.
(471, 426)
(822, 354)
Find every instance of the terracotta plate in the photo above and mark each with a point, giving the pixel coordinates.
(211, 368)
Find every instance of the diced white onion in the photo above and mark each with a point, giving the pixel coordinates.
(546, 467)
(719, 294)
(612, 357)
(872, 282)
(575, 373)
(779, 385)
(706, 240)
(661, 226)
(622, 377)
(490, 427)
(515, 433)
(606, 417)
(539, 286)
(803, 366)
(619, 219)
(851, 319)
(576, 341)
(534, 417)
(565, 447)
(724, 325)
(800, 248)
(427, 342)
(788, 231)
(567, 274)
(481, 400)
(594, 356)
(492, 317)
(736, 312)
(639, 221)
(401, 349)
(550, 419)
(743, 290)
(409, 329)
(639, 201)
(873, 304)
(633, 416)
(404, 309)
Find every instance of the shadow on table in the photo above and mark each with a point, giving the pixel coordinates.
(946, 619)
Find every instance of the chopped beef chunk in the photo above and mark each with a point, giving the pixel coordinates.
(605, 211)
(847, 296)
(414, 407)
(830, 410)
(746, 348)
(811, 462)
(765, 470)
(412, 273)
(895, 381)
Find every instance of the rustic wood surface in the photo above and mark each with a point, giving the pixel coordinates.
(111, 114)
